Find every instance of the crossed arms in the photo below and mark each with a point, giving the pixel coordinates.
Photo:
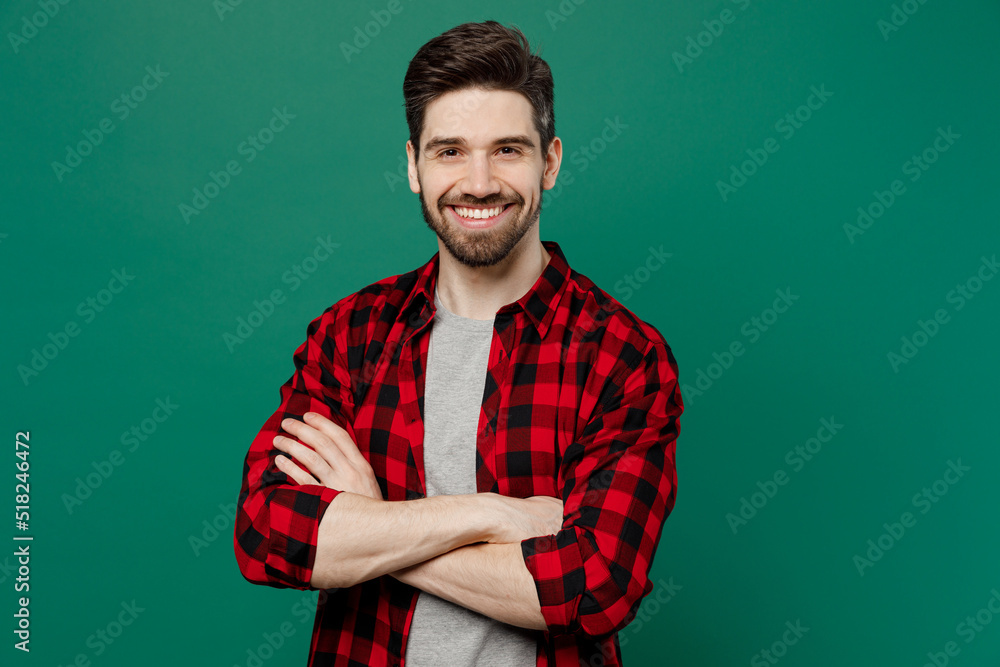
(578, 564)
(430, 543)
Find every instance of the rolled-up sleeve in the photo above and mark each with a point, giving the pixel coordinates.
(277, 521)
(618, 482)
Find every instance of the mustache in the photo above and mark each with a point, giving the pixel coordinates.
(488, 201)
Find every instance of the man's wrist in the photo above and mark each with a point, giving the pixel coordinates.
(481, 514)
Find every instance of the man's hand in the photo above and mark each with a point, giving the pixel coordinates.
(362, 540)
(521, 518)
(334, 459)
(490, 577)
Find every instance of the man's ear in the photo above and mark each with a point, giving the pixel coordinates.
(411, 167)
(553, 159)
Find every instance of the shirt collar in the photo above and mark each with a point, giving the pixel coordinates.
(539, 302)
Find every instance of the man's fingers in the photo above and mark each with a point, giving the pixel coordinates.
(298, 475)
(316, 439)
(330, 454)
(311, 459)
(337, 435)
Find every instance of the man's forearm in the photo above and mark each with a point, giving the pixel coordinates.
(361, 538)
(487, 578)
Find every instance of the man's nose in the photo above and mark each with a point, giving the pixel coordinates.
(480, 179)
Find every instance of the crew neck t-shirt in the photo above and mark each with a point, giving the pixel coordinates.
(442, 632)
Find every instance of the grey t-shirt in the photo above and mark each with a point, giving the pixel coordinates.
(443, 633)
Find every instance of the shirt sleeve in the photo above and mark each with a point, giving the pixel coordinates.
(618, 482)
(277, 521)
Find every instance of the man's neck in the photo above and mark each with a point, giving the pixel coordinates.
(478, 293)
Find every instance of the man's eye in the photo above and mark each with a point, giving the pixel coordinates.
(514, 151)
(445, 152)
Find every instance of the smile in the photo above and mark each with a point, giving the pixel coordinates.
(479, 217)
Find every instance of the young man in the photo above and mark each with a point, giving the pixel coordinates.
(474, 459)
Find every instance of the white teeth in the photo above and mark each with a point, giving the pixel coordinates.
(477, 213)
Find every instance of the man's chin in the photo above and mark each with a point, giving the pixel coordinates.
(475, 254)
(477, 248)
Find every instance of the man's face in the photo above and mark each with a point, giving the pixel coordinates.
(481, 172)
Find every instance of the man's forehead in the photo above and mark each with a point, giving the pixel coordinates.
(477, 115)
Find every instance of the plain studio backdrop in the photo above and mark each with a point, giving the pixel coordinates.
(800, 196)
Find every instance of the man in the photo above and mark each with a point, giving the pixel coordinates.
(473, 460)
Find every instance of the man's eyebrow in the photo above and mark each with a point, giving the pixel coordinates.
(522, 139)
(438, 142)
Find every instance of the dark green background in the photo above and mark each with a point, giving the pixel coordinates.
(655, 185)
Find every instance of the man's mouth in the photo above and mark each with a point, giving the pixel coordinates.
(479, 216)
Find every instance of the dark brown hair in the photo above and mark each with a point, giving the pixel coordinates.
(484, 55)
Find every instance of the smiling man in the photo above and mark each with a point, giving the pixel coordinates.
(473, 460)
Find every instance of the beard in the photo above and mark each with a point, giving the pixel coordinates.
(482, 247)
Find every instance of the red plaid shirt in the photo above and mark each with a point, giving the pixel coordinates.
(581, 402)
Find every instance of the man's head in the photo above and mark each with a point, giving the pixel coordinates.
(479, 106)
